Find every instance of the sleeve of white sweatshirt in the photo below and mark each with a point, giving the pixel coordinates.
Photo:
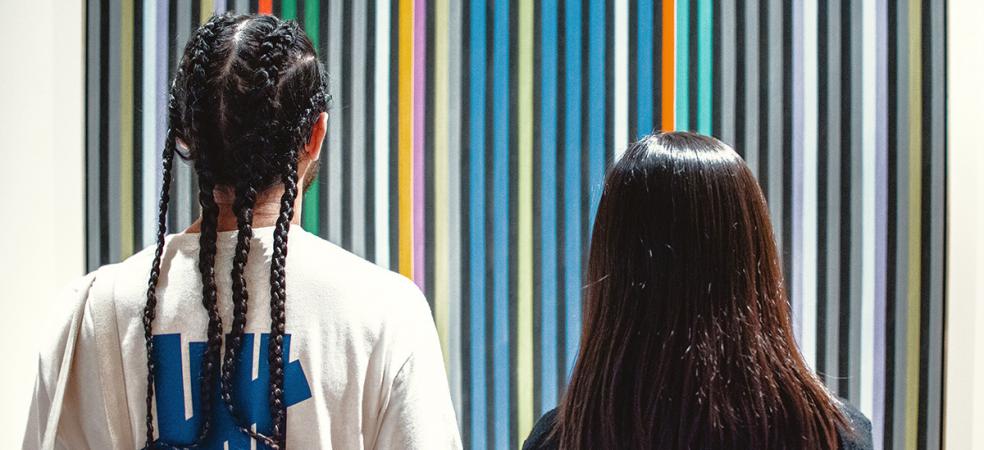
(419, 413)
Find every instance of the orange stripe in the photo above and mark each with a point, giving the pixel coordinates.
(668, 82)
(405, 140)
(265, 7)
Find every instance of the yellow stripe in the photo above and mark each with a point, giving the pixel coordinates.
(915, 228)
(208, 7)
(441, 237)
(126, 128)
(524, 312)
(405, 146)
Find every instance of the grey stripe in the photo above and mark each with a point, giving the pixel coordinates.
(334, 181)
(184, 196)
(727, 71)
(750, 147)
(113, 129)
(454, 198)
(833, 151)
(937, 126)
(775, 106)
(358, 149)
(797, 177)
(93, 98)
(854, 344)
(898, 373)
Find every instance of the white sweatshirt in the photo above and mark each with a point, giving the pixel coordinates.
(364, 368)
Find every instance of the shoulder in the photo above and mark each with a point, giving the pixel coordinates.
(539, 438)
(859, 437)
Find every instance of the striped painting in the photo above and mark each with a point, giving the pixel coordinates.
(468, 141)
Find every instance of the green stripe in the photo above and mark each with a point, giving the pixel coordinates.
(310, 215)
(288, 11)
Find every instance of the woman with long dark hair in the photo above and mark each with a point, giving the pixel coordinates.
(686, 341)
(230, 343)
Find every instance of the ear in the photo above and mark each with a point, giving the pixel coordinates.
(312, 150)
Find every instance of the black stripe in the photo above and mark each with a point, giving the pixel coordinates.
(278, 8)
(764, 100)
(787, 146)
(633, 63)
(740, 54)
(172, 65)
(822, 168)
(300, 12)
(429, 178)
(324, 32)
(346, 128)
(716, 91)
(692, 70)
(104, 175)
(370, 128)
(926, 230)
(394, 137)
(891, 221)
(254, 6)
(464, 239)
(561, 152)
(138, 45)
(513, 213)
(656, 53)
(195, 19)
(538, 407)
(846, 192)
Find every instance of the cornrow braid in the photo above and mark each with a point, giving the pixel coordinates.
(248, 92)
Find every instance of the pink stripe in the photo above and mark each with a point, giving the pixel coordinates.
(419, 99)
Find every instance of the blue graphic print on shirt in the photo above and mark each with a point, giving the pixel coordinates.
(250, 396)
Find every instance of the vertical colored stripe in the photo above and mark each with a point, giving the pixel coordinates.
(915, 224)
(405, 138)
(442, 271)
(644, 66)
(265, 7)
(381, 139)
(572, 182)
(705, 64)
(524, 310)
(417, 201)
(596, 106)
(500, 231)
(621, 71)
(683, 62)
(310, 208)
(456, 338)
(360, 176)
(149, 145)
(288, 9)
(548, 185)
(668, 65)
(476, 226)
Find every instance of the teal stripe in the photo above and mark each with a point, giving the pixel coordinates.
(683, 66)
(705, 56)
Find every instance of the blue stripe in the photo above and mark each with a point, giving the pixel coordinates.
(548, 205)
(705, 57)
(644, 65)
(682, 66)
(596, 102)
(572, 182)
(500, 190)
(476, 199)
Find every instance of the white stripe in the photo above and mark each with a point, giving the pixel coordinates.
(621, 122)
(149, 148)
(809, 294)
(381, 125)
(868, 205)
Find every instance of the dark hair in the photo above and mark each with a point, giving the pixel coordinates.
(246, 95)
(686, 340)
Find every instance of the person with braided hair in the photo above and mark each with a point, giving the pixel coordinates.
(232, 342)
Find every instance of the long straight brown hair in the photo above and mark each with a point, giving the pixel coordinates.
(686, 340)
